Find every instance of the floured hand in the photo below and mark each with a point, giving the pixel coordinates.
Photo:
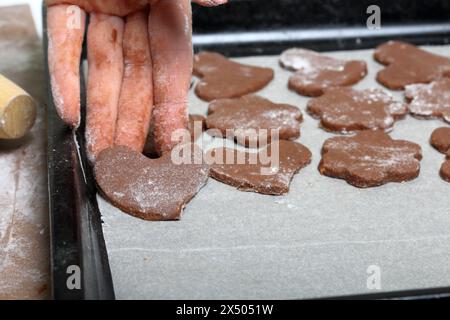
(140, 65)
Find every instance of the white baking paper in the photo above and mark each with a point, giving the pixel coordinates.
(325, 238)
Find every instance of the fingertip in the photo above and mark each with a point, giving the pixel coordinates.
(211, 3)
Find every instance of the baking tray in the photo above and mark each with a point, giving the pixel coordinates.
(77, 236)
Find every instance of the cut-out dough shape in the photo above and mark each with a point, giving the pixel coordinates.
(316, 72)
(370, 158)
(245, 117)
(346, 110)
(407, 64)
(222, 78)
(440, 139)
(430, 100)
(257, 176)
(151, 189)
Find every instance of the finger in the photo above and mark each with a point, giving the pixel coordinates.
(210, 3)
(112, 7)
(65, 39)
(136, 97)
(105, 61)
(171, 48)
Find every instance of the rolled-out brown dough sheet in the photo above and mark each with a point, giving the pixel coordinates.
(324, 238)
(24, 234)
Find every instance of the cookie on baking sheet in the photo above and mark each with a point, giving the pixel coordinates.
(151, 189)
(445, 169)
(440, 139)
(370, 158)
(316, 72)
(196, 126)
(346, 110)
(251, 118)
(407, 64)
(430, 100)
(252, 173)
(222, 78)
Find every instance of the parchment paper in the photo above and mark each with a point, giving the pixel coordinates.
(319, 240)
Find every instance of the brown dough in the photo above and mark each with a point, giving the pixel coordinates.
(370, 158)
(24, 215)
(316, 72)
(430, 100)
(407, 64)
(223, 78)
(346, 110)
(247, 177)
(151, 189)
(445, 169)
(254, 112)
(200, 121)
(440, 139)
(150, 150)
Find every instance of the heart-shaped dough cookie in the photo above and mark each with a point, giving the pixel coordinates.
(253, 174)
(440, 139)
(222, 78)
(151, 189)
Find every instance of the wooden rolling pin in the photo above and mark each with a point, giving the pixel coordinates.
(17, 110)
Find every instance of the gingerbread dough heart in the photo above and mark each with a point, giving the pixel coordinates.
(430, 100)
(370, 158)
(257, 176)
(407, 64)
(440, 139)
(346, 110)
(243, 118)
(222, 78)
(151, 189)
(316, 72)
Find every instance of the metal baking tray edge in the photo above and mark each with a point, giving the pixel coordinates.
(79, 260)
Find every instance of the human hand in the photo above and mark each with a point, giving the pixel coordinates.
(140, 65)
